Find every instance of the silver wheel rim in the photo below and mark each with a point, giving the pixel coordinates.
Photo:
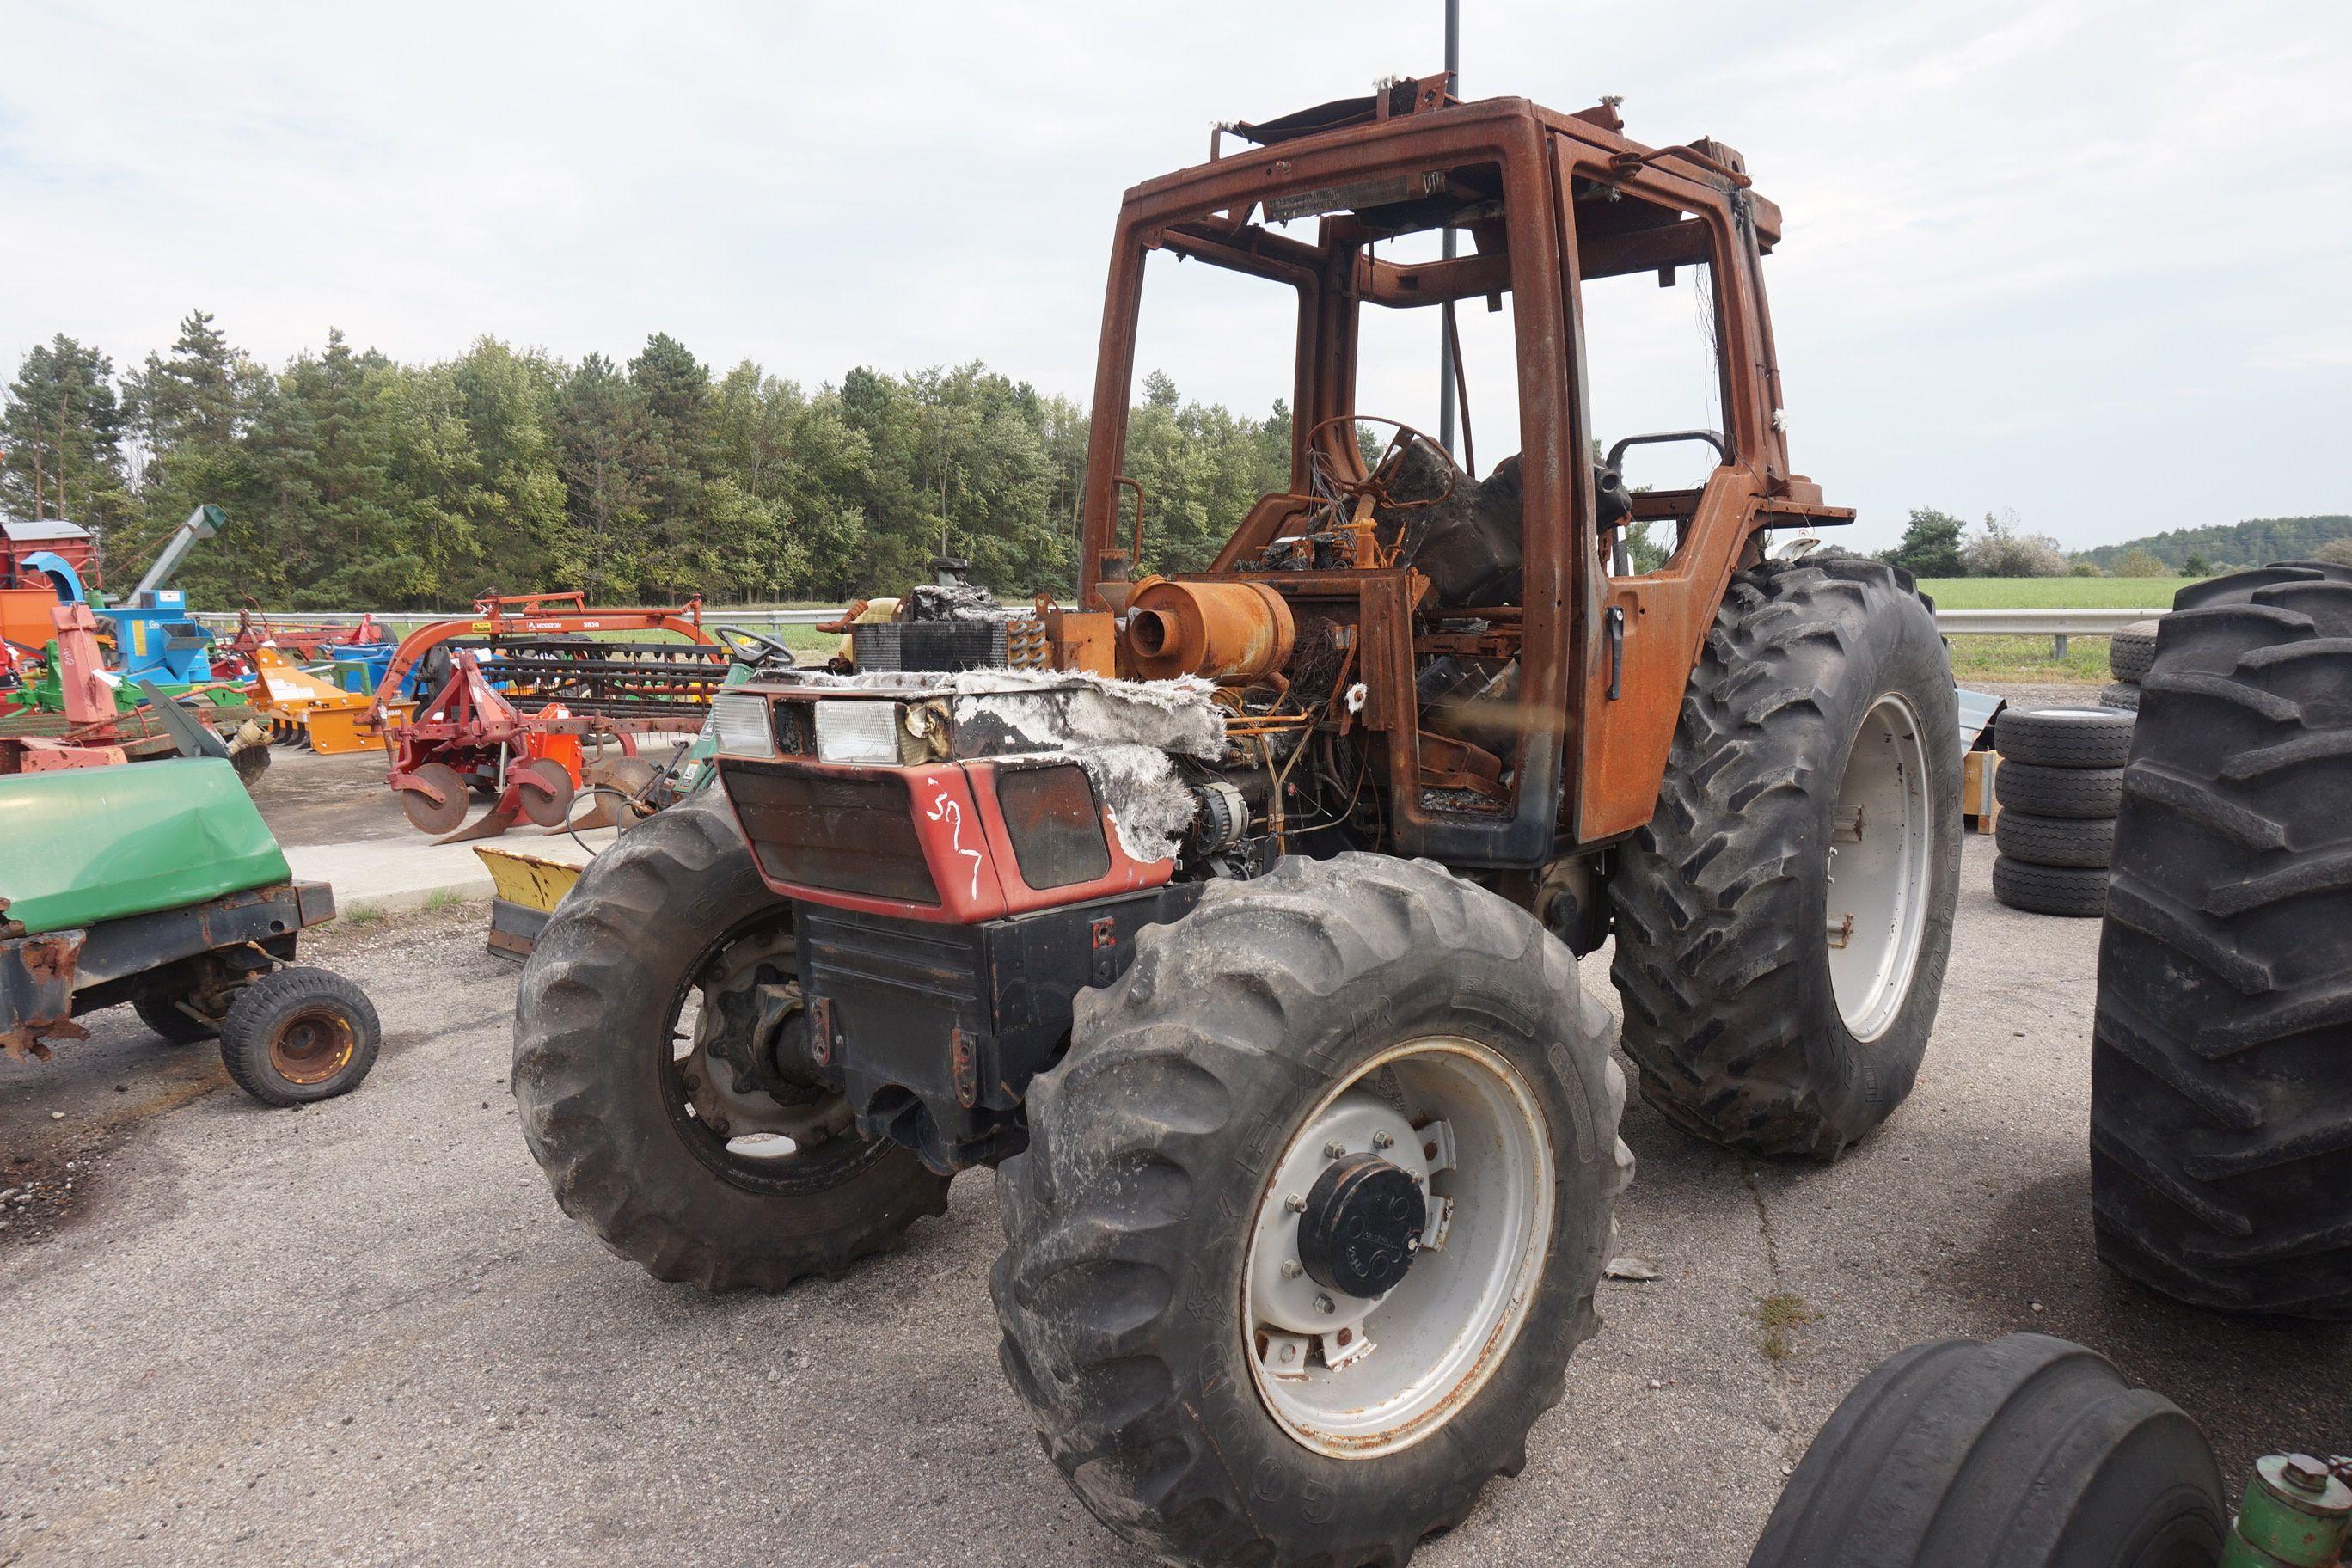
(1358, 1378)
(1877, 884)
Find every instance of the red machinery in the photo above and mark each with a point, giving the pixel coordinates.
(519, 687)
(233, 654)
(93, 732)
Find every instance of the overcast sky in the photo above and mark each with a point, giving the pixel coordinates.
(2089, 261)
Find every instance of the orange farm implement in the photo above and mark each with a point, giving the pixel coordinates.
(522, 690)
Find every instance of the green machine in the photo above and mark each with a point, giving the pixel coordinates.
(158, 886)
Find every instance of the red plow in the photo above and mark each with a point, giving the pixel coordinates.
(535, 698)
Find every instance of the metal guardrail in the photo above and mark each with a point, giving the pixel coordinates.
(2056, 625)
(751, 619)
(1952, 623)
(2040, 622)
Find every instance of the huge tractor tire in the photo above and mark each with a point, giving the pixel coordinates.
(661, 1068)
(2222, 1081)
(1783, 921)
(2028, 1452)
(1311, 1216)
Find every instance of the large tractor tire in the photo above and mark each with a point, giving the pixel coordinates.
(1783, 921)
(2028, 1452)
(2222, 1081)
(661, 1068)
(1311, 1216)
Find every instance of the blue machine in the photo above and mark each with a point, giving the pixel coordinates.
(152, 634)
(158, 641)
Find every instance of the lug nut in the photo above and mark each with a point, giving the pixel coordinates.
(1324, 1304)
(1296, 1204)
(1291, 1268)
(2303, 1473)
(1290, 1352)
(1383, 1141)
(1334, 1149)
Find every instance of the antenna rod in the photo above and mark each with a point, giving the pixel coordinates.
(1445, 327)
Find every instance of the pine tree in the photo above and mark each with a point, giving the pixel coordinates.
(61, 427)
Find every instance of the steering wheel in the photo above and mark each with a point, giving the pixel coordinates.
(1373, 484)
(754, 649)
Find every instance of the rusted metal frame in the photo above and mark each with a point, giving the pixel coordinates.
(1644, 250)
(1557, 506)
(1666, 614)
(1399, 285)
(37, 985)
(1459, 134)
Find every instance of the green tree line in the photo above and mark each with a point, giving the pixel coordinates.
(1933, 545)
(354, 481)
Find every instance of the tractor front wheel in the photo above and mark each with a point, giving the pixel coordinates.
(661, 1068)
(1311, 1216)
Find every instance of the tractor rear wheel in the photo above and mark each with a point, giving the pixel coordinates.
(1783, 921)
(1311, 1216)
(661, 1068)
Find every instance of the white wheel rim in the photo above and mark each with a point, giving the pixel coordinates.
(1877, 884)
(1367, 1377)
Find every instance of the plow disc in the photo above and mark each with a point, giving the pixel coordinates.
(427, 814)
(543, 790)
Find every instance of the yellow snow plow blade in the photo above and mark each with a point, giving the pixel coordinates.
(524, 890)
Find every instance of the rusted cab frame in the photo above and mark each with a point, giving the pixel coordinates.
(1603, 660)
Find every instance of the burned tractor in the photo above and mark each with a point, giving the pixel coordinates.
(1233, 913)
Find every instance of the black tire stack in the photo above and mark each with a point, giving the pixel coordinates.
(2130, 652)
(2059, 786)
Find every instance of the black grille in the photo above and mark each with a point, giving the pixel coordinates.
(851, 834)
(898, 646)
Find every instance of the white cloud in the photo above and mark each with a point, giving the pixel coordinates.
(2079, 258)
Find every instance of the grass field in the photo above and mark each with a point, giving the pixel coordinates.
(2054, 593)
(1989, 658)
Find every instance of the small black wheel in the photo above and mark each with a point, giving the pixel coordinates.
(2055, 841)
(162, 1014)
(2059, 791)
(2050, 889)
(299, 1035)
(2028, 1452)
(2064, 737)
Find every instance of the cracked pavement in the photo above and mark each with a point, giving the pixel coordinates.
(363, 1333)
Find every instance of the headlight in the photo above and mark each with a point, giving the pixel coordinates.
(850, 729)
(739, 726)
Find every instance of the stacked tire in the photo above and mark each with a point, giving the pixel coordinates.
(2130, 652)
(2059, 786)
(2222, 1068)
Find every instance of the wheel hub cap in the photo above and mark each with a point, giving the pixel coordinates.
(1361, 1226)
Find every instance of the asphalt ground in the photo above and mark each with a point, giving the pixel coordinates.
(361, 1332)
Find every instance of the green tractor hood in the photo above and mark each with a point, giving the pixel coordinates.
(85, 844)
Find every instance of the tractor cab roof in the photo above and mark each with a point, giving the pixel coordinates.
(1402, 107)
